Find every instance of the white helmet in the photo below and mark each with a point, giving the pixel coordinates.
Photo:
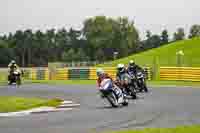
(121, 68)
(99, 72)
(13, 62)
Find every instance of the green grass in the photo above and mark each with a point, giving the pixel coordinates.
(166, 55)
(12, 104)
(174, 83)
(93, 82)
(182, 129)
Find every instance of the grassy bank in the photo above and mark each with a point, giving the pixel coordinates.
(182, 129)
(12, 104)
(166, 55)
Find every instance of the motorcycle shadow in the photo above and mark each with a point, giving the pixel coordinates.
(109, 107)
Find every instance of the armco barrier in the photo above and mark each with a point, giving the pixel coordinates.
(112, 72)
(59, 74)
(78, 73)
(180, 73)
(66, 73)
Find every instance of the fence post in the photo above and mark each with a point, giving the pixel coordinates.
(156, 68)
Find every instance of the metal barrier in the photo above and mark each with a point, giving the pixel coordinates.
(89, 73)
(84, 73)
(180, 73)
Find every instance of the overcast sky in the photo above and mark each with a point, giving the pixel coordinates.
(155, 15)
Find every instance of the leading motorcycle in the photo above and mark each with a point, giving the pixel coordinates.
(112, 93)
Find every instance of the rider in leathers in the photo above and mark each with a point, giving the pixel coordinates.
(12, 66)
(101, 76)
(122, 78)
(133, 69)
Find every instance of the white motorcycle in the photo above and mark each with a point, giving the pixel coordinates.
(112, 93)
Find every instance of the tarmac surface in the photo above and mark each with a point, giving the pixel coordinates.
(161, 107)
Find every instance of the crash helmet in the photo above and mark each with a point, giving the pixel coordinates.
(13, 62)
(100, 72)
(131, 64)
(121, 68)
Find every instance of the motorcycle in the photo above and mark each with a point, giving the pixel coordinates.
(112, 94)
(14, 77)
(128, 90)
(141, 81)
(134, 84)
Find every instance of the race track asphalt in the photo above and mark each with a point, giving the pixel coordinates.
(161, 107)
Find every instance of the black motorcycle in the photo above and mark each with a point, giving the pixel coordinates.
(134, 84)
(141, 81)
(14, 77)
(128, 90)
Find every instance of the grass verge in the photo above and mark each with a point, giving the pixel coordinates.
(12, 104)
(86, 82)
(182, 129)
(174, 83)
(93, 82)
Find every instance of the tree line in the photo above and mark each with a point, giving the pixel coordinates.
(100, 39)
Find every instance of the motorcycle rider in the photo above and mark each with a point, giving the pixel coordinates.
(123, 80)
(101, 76)
(12, 66)
(133, 69)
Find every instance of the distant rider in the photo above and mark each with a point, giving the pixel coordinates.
(12, 66)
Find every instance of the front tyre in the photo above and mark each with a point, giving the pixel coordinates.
(112, 100)
(133, 93)
(125, 103)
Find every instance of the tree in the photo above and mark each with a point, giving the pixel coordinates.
(129, 35)
(148, 34)
(62, 41)
(5, 53)
(41, 46)
(69, 55)
(153, 42)
(20, 46)
(164, 37)
(194, 31)
(99, 55)
(110, 34)
(81, 56)
(28, 45)
(179, 35)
